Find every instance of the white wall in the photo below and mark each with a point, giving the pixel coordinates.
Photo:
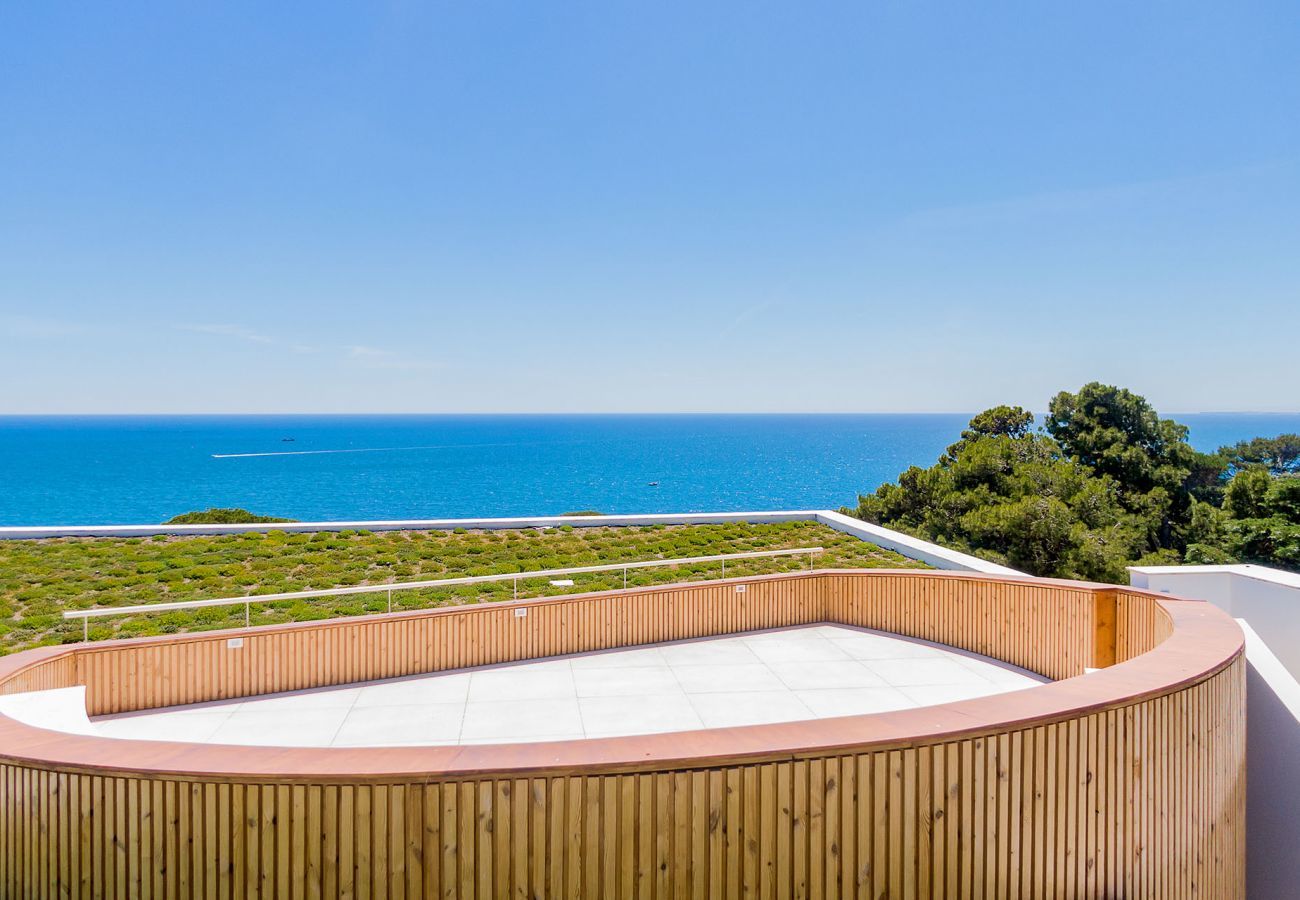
(912, 548)
(1268, 599)
(51, 531)
(1273, 773)
(1266, 603)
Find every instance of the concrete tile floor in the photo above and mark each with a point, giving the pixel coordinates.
(788, 674)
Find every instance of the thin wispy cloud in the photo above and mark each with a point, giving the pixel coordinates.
(233, 331)
(248, 335)
(752, 311)
(379, 358)
(1082, 201)
(39, 328)
(360, 355)
(359, 351)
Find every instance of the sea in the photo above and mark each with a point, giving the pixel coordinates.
(100, 470)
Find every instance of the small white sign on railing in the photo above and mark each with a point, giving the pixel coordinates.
(521, 612)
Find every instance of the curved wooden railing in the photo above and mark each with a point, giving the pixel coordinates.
(1128, 781)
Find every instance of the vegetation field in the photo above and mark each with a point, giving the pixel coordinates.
(39, 580)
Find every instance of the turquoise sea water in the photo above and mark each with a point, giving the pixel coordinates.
(124, 469)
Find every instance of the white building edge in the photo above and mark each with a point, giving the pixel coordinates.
(1266, 603)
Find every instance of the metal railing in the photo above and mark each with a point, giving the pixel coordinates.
(248, 600)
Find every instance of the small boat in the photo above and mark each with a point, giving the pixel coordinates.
(286, 440)
(653, 484)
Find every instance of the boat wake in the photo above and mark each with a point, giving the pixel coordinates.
(316, 452)
(388, 449)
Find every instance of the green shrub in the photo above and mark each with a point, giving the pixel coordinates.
(221, 516)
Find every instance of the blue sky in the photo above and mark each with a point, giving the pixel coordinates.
(425, 207)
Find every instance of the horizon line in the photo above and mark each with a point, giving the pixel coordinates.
(920, 412)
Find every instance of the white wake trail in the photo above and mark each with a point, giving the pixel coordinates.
(315, 452)
(390, 449)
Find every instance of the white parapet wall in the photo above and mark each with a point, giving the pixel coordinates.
(903, 544)
(1269, 599)
(912, 548)
(1273, 773)
(1266, 603)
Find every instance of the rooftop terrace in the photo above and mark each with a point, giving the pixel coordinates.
(901, 754)
(780, 675)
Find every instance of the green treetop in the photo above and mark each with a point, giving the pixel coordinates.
(1117, 433)
(1280, 455)
(1108, 483)
(1013, 496)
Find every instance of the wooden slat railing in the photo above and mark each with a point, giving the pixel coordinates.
(1126, 782)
